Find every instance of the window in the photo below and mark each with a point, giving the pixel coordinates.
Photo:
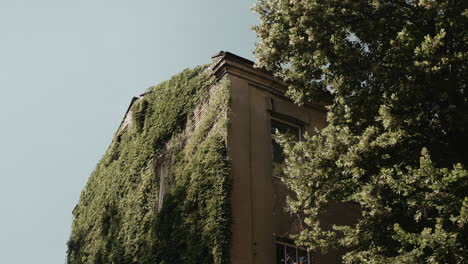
(294, 131)
(290, 254)
(162, 186)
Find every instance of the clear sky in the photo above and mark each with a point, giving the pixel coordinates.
(68, 69)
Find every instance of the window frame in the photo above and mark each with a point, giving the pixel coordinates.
(300, 127)
(161, 173)
(283, 120)
(284, 244)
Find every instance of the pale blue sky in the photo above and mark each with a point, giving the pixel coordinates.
(68, 70)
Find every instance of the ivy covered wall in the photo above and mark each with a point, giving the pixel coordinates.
(180, 125)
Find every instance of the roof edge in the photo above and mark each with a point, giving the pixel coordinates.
(232, 56)
(225, 62)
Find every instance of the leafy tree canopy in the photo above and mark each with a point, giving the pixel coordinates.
(395, 145)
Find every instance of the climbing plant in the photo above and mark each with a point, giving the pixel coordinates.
(181, 123)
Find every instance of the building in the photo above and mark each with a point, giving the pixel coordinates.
(259, 106)
(256, 227)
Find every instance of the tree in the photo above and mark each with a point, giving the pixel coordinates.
(397, 73)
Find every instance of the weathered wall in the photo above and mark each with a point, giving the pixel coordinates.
(258, 199)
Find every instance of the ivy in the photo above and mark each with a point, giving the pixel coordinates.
(183, 123)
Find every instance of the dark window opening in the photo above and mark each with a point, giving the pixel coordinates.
(294, 131)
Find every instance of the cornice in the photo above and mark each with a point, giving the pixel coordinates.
(228, 63)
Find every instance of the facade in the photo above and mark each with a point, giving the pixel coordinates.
(141, 222)
(260, 227)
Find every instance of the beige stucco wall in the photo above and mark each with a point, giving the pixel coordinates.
(257, 197)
